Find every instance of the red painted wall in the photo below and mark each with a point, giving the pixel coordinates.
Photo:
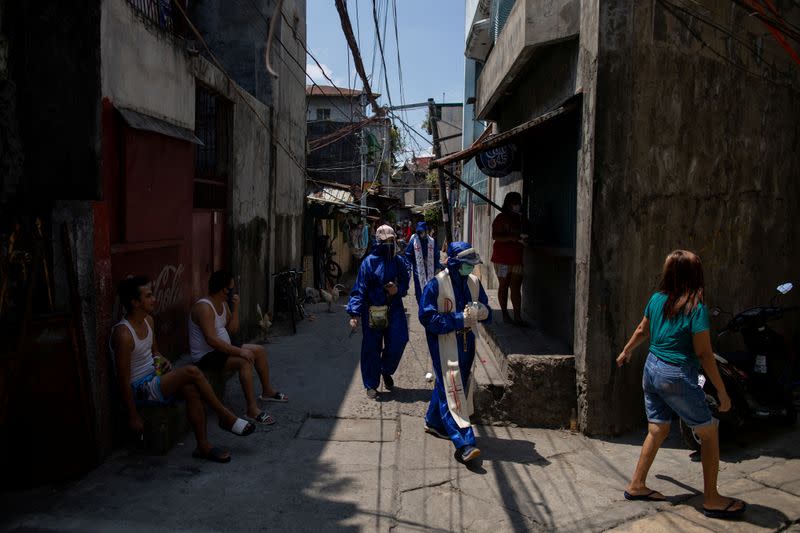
(145, 222)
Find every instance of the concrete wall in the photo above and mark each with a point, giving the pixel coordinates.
(289, 104)
(701, 156)
(251, 194)
(238, 39)
(143, 69)
(530, 25)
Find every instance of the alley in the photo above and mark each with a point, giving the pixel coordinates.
(336, 461)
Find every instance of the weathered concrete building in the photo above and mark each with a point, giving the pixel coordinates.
(267, 216)
(153, 162)
(679, 131)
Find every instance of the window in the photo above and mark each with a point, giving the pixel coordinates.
(323, 114)
(213, 120)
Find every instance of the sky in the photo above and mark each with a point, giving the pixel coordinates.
(431, 37)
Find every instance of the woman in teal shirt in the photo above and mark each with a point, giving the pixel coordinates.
(676, 321)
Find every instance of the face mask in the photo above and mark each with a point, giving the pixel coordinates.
(516, 208)
(386, 248)
(466, 269)
(422, 234)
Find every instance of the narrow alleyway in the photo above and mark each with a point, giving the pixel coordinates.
(337, 461)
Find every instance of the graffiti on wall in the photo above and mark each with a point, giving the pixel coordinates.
(167, 287)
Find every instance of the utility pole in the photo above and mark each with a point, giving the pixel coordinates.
(363, 150)
(437, 153)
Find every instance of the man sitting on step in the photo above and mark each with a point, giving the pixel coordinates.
(144, 382)
(211, 324)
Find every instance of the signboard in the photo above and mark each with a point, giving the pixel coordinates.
(497, 162)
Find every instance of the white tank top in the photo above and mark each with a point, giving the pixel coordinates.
(198, 346)
(142, 354)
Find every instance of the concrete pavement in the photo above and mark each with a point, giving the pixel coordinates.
(337, 461)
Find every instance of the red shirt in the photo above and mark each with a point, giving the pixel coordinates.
(507, 253)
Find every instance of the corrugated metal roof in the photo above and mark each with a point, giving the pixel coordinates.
(138, 121)
(333, 196)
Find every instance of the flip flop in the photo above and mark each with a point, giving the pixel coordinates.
(277, 397)
(727, 512)
(215, 455)
(240, 427)
(644, 497)
(263, 418)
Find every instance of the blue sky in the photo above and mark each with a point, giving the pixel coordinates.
(431, 35)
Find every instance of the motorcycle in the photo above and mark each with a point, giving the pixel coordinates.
(763, 382)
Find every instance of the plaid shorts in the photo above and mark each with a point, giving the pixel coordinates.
(504, 270)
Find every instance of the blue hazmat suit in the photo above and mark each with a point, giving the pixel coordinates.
(381, 350)
(438, 416)
(412, 260)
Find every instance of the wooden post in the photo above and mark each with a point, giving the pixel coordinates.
(437, 153)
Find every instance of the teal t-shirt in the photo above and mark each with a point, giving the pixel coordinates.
(671, 340)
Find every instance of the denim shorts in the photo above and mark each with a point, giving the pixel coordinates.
(672, 391)
(147, 391)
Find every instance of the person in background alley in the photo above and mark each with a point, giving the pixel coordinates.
(211, 324)
(421, 255)
(507, 256)
(143, 382)
(407, 231)
(676, 322)
(377, 300)
(451, 306)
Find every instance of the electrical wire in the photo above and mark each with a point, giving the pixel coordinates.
(675, 10)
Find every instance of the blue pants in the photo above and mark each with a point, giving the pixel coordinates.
(381, 350)
(438, 416)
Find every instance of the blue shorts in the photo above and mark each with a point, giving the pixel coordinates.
(672, 391)
(147, 391)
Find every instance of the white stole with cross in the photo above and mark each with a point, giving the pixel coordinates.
(459, 403)
(425, 268)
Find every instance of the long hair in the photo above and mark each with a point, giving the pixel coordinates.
(682, 282)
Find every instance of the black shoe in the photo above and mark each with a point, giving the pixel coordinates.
(466, 454)
(388, 382)
(372, 394)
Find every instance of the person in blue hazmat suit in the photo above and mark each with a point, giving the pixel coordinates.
(450, 308)
(421, 255)
(377, 301)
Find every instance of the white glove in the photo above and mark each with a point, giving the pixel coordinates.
(482, 310)
(470, 316)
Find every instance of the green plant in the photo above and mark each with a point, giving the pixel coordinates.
(433, 215)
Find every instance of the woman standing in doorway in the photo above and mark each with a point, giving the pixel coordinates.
(507, 256)
(676, 321)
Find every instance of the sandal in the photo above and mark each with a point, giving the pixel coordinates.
(263, 418)
(240, 427)
(277, 397)
(215, 455)
(649, 497)
(727, 512)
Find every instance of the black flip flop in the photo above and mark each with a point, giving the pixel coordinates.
(263, 418)
(215, 455)
(643, 497)
(727, 512)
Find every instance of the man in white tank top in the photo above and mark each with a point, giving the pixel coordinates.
(134, 347)
(211, 324)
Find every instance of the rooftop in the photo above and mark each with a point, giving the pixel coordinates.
(330, 90)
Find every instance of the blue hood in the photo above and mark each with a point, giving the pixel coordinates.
(454, 249)
(422, 226)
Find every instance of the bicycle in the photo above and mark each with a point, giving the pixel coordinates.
(288, 286)
(330, 268)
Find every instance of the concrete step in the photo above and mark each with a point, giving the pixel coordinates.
(522, 379)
